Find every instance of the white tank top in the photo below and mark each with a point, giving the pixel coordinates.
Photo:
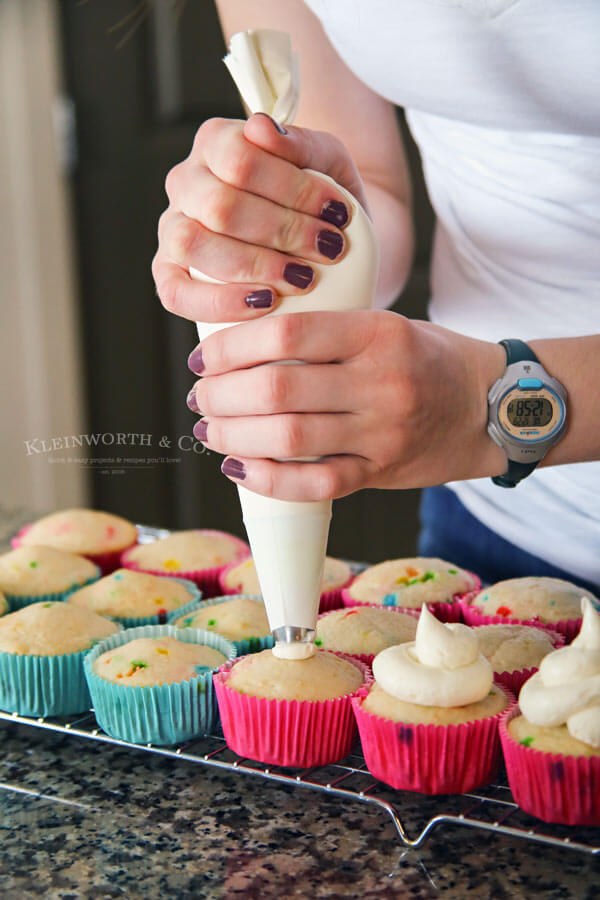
(503, 99)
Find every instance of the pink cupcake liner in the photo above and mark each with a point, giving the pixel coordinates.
(106, 562)
(515, 680)
(293, 733)
(329, 599)
(569, 628)
(550, 786)
(430, 759)
(206, 579)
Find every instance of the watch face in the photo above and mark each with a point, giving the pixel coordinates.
(530, 415)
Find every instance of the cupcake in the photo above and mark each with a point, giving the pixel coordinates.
(30, 574)
(515, 651)
(241, 578)
(552, 743)
(136, 598)
(42, 647)
(99, 536)
(240, 619)
(430, 721)
(364, 631)
(529, 601)
(3, 604)
(289, 712)
(198, 556)
(153, 684)
(408, 583)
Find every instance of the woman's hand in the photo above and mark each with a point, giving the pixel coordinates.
(384, 401)
(243, 211)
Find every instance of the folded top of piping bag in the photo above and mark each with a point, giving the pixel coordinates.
(266, 72)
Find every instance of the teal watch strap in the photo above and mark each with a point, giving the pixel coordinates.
(516, 351)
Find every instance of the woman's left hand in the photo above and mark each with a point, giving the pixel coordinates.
(383, 401)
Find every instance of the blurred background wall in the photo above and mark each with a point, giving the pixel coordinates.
(97, 101)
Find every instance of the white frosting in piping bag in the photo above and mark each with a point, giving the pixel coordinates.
(289, 539)
(566, 689)
(441, 667)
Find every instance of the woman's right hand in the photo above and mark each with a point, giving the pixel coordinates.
(243, 211)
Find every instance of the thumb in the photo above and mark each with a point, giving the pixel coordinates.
(306, 149)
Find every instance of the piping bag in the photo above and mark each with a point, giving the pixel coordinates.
(288, 539)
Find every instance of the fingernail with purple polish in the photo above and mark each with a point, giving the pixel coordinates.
(260, 299)
(234, 468)
(299, 276)
(279, 127)
(330, 244)
(195, 362)
(200, 430)
(192, 402)
(335, 212)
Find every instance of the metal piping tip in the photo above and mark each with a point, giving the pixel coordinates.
(292, 634)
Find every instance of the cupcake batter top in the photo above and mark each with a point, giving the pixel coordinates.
(549, 740)
(382, 704)
(236, 619)
(243, 577)
(34, 570)
(547, 599)
(52, 629)
(125, 593)
(149, 661)
(363, 629)
(322, 677)
(86, 531)
(512, 647)
(411, 582)
(188, 551)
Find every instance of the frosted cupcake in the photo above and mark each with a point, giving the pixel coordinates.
(529, 601)
(153, 684)
(515, 651)
(552, 749)
(430, 721)
(364, 631)
(42, 647)
(199, 556)
(30, 574)
(99, 536)
(240, 619)
(241, 578)
(408, 583)
(289, 712)
(136, 598)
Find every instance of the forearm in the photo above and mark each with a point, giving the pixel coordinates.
(392, 218)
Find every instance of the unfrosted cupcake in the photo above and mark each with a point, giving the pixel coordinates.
(241, 578)
(30, 574)
(42, 647)
(515, 651)
(552, 749)
(153, 684)
(364, 631)
(240, 619)
(199, 556)
(100, 536)
(430, 721)
(137, 598)
(408, 583)
(289, 712)
(532, 600)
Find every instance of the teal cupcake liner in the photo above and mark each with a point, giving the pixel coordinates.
(244, 645)
(43, 686)
(138, 621)
(158, 714)
(16, 601)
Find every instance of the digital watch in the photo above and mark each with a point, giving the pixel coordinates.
(527, 412)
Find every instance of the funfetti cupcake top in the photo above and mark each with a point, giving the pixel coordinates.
(38, 570)
(411, 582)
(127, 594)
(512, 647)
(547, 599)
(52, 629)
(187, 551)
(85, 531)
(237, 619)
(323, 676)
(243, 579)
(364, 630)
(151, 661)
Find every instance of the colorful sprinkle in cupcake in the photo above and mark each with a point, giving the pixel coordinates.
(30, 574)
(364, 631)
(240, 619)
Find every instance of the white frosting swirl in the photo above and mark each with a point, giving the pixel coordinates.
(294, 650)
(566, 689)
(442, 667)
(266, 72)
